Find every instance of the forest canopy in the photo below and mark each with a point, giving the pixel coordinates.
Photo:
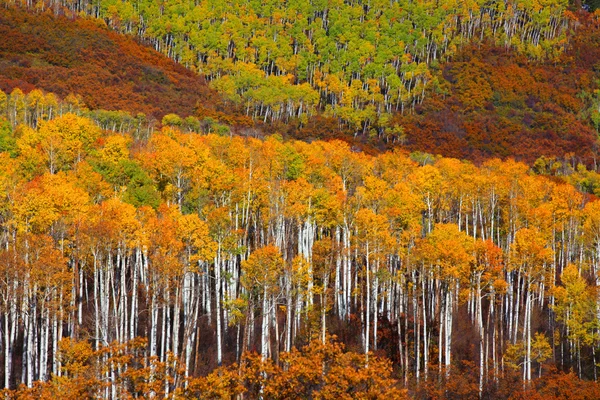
(164, 232)
(485, 98)
(207, 246)
(359, 61)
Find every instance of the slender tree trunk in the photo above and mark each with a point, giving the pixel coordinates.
(7, 352)
(264, 342)
(368, 303)
(218, 305)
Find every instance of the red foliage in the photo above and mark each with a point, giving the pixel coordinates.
(493, 103)
(499, 104)
(110, 71)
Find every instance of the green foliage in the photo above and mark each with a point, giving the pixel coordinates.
(191, 124)
(8, 142)
(172, 120)
(283, 60)
(140, 188)
(422, 158)
(293, 162)
(129, 178)
(211, 125)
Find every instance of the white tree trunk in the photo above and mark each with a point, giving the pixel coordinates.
(264, 342)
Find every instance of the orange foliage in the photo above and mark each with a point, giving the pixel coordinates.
(110, 71)
(497, 103)
(320, 371)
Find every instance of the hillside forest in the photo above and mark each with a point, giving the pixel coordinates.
(299, 199)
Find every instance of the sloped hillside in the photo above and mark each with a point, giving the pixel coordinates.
(110, 71)
(358, 61)
(486, 100)
(494, 103)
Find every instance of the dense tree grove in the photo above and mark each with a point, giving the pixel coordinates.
(137, 264)
(163, 238)
(358, 61)
(487, 100)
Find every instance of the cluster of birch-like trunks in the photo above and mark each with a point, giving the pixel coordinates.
(358, 240)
